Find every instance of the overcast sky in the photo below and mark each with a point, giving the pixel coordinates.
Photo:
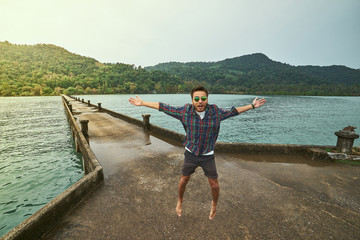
(148, 32)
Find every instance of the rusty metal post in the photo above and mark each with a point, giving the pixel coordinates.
(85, 129)
(146, 121)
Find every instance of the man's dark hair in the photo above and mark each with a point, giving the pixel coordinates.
(199, 88)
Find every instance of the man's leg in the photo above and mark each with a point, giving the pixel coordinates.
(182, 186)
(215, 191)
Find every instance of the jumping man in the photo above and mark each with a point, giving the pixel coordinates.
(201, 122)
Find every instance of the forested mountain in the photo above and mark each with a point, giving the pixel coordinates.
(27, 70)
(256, 73)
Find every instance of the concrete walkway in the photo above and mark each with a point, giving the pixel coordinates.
(261, 196)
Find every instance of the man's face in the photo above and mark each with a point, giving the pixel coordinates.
(199, 101)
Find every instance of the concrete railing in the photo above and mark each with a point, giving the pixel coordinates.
(90, 161)
(48, 216)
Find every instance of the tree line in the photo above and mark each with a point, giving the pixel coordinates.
(43, 69)
(50, 70)
(257, 74)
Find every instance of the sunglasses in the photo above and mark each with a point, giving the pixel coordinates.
(203, 98)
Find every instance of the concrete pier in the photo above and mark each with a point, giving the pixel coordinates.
(262, 195)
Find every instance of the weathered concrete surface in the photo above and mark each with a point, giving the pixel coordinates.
(261, 196)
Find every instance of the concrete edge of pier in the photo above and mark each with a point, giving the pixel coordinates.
(48, 216)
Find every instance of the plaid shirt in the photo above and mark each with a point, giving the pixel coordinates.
(201, 134)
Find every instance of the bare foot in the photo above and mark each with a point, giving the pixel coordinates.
(178, 208)
(213, 211)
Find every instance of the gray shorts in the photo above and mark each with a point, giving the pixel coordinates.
(207, 163)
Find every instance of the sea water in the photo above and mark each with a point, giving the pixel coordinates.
(38, 159)
(305, 120)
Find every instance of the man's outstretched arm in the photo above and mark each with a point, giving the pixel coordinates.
(139, 102)
(255, 104)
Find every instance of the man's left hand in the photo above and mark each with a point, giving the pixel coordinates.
(258, 102)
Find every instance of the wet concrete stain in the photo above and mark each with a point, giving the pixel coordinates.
(262, 196)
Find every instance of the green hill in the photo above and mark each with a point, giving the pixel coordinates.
(28, 70)
(43, 69)
(256, 73)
